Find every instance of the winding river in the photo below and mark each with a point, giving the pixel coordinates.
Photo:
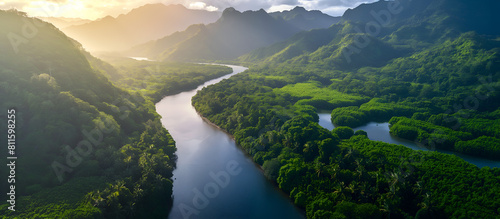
(214, 178)
(380, 132)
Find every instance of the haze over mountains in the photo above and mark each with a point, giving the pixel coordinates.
(233, 35)
(63, 22)
(418, 59)
(140, 25)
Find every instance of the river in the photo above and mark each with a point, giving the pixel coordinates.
(214, 178)
(380, 132)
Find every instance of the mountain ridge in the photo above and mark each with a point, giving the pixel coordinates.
(234, 34)
(434, 20)
(140, 25)
(306, 20)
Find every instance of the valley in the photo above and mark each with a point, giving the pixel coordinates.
(390, 110)
(205, 155)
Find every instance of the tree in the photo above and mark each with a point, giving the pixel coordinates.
(272, 168)
(343, 132)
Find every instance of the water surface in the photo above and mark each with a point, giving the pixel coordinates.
(214, 178)
(380, 132)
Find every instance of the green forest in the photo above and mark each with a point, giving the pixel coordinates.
(90, 142)
(434, 79)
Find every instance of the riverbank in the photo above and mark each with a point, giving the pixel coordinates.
(251, 158)
(380, 132)
(204, 151)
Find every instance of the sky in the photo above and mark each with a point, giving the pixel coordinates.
(94, 9)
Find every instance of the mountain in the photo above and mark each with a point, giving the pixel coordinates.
(149, 22)
(460, 15)
(430, 68)
(410, 26)
(306, 20)
(73, 130)
(63, 22)
(234, 34)
(163, 44)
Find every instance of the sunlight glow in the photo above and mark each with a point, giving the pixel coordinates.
(95, 9)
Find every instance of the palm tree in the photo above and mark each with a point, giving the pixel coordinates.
(333, 170)
(96, 199)
(349, 153)
(340, 190)
(426, 202)
(360, 168)
(320, 167)
(353, 188)
(287, 141)
(394, 179)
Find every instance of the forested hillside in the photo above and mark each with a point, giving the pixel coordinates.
(425, 68)
(89, 143)
(404, 26)
(85, 148)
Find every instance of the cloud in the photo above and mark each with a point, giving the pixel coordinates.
(13, 4)
(332, 7)
(283, 7)
(335, 10)
(202, 6)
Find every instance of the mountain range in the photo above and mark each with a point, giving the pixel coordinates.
(140, 25)
(63, 22)
(233, 35)
(430, 68)
(427, 53)
(371, 35)
(304, 19)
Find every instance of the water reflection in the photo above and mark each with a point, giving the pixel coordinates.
(380, 132)
(214, 179)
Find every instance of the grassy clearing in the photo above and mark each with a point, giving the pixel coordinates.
(312, 93)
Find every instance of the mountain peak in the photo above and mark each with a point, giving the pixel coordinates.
(156, 5)
(304, 19)
(107, 18)
(262, 10)
(230, 11)
(148, 8)
(299, 9)
(230, 14)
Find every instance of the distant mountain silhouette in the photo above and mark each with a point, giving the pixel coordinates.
(63, 22)
(140, 25)
(233, 35)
